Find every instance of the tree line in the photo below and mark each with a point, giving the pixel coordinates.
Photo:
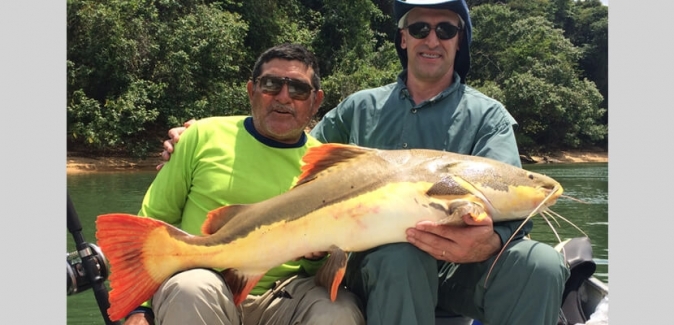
(136, 68)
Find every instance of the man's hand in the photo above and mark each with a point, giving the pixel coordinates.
(174, 136)
(139, 319)
(475, 242)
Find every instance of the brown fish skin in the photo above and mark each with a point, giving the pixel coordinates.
(348, 198)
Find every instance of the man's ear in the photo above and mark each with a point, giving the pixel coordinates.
(249, 89)
(403, 41)
(319, 100)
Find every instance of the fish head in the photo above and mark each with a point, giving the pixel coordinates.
(506, 192)
(513, 193)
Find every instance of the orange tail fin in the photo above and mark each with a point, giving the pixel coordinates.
(123, 239)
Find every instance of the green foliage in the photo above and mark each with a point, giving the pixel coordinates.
(355, 73)
(112, 124)
(149, 66)
(590, 33)
(531, 68)
(274, 22)
(136, 68)
(201, 53)
(345, 32)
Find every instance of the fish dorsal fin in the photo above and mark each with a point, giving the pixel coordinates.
(219, 217)
(318, 159)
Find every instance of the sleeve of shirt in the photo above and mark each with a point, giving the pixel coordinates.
(333, 127)
(312, 266)
(497, 141)
(496, 138)
(166, 196)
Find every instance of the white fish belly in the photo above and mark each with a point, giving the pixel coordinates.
(372, 219)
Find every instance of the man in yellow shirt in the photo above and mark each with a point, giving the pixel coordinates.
(237, 160)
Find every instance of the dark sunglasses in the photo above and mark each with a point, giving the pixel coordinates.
(443, 30)
(298, 90)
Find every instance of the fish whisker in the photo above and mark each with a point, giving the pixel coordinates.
(506, 245)
(540, 209)
(573, 199)
(545, 216)
(554, 214)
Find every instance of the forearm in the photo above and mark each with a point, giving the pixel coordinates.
(505, 230)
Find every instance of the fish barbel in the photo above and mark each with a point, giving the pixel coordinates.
(347, 199)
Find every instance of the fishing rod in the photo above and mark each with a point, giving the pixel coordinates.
(86, 267)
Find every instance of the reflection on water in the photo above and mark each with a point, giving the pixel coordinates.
(100, 193)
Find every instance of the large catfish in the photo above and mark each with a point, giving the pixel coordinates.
(347, 199)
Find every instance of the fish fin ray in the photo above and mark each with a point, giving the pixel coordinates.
(122, 238)
(460, 207)
(318, 159)
(331, 273)
(217, 218)
(240, 284)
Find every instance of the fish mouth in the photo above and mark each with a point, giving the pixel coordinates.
(554, 191)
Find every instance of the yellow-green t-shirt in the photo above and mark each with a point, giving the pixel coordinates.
(220, 161)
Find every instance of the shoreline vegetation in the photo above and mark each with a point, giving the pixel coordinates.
(79, 164)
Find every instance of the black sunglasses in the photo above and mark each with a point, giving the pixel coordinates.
(298, 90)
(443, 30)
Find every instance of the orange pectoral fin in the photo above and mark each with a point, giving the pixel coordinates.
(240, 284)
(460, 207)
(479, 217)
(331, 273)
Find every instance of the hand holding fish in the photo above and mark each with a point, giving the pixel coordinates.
(459, 244)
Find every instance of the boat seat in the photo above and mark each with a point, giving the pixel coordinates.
(578, 253)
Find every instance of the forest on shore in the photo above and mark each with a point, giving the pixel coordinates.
(136, 68)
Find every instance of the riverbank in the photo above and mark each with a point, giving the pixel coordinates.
(79, 164)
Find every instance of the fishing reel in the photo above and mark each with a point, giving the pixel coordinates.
(78, 279)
